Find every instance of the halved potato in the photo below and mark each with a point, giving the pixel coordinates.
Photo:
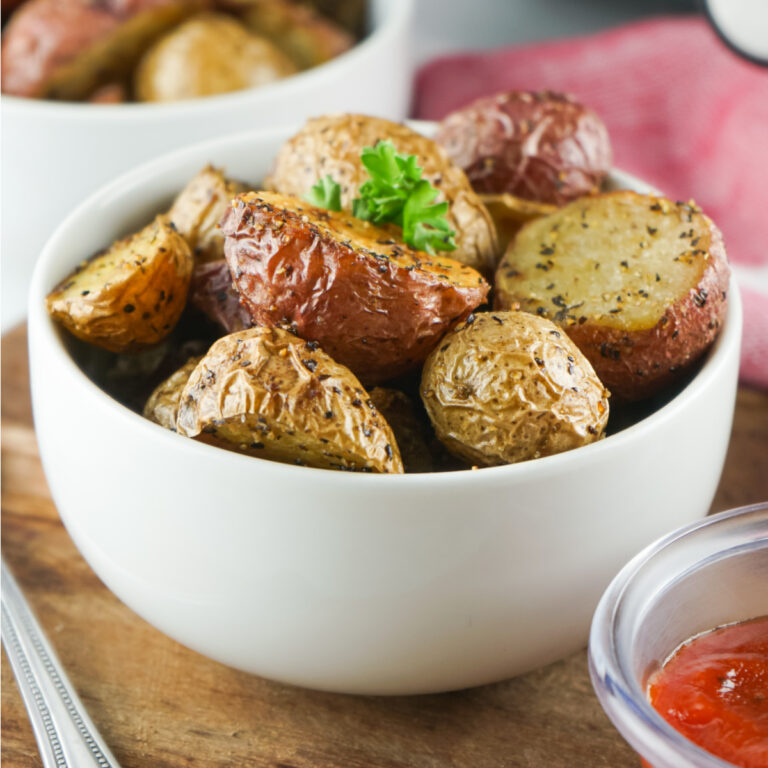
(638, 282)
(331, 145)
(266, 393)
(198, 209)
(130, 296)
(300, 32)
(67, 49)
(207, 55)
(510, 386)
(162, 407)
(374, 304)
(510, 213)
(212, 292)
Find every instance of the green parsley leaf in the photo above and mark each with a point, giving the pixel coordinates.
(325, 194)
(394, 193)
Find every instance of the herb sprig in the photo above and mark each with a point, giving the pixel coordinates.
(394, 193)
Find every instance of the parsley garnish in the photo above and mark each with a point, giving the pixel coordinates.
(395, 193)
(325, 194)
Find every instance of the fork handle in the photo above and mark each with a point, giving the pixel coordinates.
(66, 736)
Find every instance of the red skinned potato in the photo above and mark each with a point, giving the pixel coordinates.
(67, 49)
(212, 292)
(542, 146)
(638, 282)
(374, 304)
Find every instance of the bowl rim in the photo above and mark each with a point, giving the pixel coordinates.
(397, 15)
(634, 717)
(715, 359)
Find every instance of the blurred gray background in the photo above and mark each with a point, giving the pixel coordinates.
(442, 26)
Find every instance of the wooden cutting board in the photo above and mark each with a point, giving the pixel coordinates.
(160, 705)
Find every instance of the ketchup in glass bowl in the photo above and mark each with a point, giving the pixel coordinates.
(714, 690)
(678, 648)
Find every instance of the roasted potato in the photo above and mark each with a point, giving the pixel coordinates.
(638, 282)
(349, 14)
(130, 296)
(212, 292)
(266, 393)
(206, 55)
(510, 386)
(67, 49)
(198, 209)
(162, 407)
(411, 429)
(332, 145)
(509, 213)
(542, 146)
(300, 32)
(374, 304)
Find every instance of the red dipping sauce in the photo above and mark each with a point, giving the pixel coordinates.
(714, 690)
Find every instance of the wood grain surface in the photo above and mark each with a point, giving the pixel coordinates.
(159, 704)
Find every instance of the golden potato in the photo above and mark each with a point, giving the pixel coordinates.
(638, 282)
(264, 392)
(130, 296)
(162, 407)
(67, 49)
(302, 34)
(374, 304)
(332, 145)
(206, 55)
(510, 386)
(510, 213)
(198, 209)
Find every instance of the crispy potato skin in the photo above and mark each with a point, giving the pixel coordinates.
(375, 305)
(332, 145)
(542, 146)
(198, 209)
(266, 393)
(511, 386)
(207, 55)
(638, 282)
(130, 296)
(162, 407)
(212, 292)
(66, 49)
(301, 33)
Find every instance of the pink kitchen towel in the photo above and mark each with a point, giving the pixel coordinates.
(684, 113)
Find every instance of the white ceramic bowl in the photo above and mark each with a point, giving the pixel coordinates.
(56, 153)
(343, 581)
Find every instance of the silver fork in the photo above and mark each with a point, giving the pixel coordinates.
(65, 734)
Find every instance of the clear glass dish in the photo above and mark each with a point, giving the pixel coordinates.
(704, 575)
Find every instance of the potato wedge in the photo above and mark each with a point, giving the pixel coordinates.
(511, 386)
(198, 209)
(212, 292)
(510, 213)
(162, 407)
(638, 282)
(300, 32)
(331, 145)
(207, 55)
(266, 393)
(374, 304)
(130, 296)
(67, 49)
